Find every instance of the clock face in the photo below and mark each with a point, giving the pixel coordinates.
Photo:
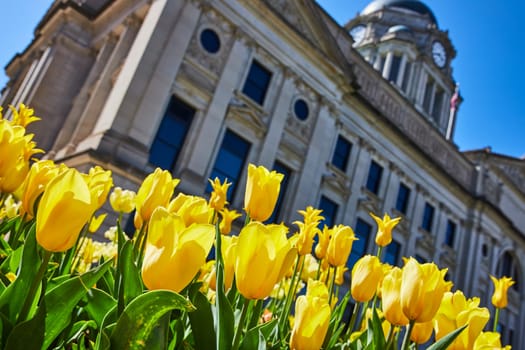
(358, 33)
(439, 54)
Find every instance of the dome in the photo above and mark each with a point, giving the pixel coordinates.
(412, 5)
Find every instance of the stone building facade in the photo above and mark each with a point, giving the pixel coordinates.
(360, 118)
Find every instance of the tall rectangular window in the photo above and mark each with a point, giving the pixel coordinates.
(172, 132)
(427, 98)
(341, 153)
(282, 169)
(362, 233)
(428, 218)
(374, 177)
(394, 68)
(392, 253)
(438, 103)
(329, 208)
(450, 233)
(230, 161)
(406, 76)
(257, 82)
(403, 196)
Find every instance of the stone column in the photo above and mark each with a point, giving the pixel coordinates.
(318, 153)
(277, 122)
(388, 65)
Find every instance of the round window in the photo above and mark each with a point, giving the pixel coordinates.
(300, 109)
(210, 41)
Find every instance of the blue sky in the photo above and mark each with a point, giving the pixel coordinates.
(490, 65)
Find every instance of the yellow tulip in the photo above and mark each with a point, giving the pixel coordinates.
(192, 209)
(340, 275)
(155, 191)
(174, 252)
(305, 238)
(9, 208)
(40, 174)
(312, 317)
(501, 287)
(99, 182)
(262, 191)
(23, 116)
(366, 275)
(122, 201)
(391, 298)
(384, 229)
(228, 216)
(64, 209)
(96, 222)
(340, 245)
(422, 289)
(219, 194)
(324, 240)
(456, 311)
(421, 332)
(489, 341)
(264, 255)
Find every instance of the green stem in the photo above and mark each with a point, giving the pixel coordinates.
(406, 339)
(240, 326)
(283, 317)
(390, 338)
(219, 283)
(34, 287)
(496, 320)
(351, 325)
(331, 287)
(379, 251)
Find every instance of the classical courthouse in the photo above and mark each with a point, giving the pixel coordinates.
(359, 118)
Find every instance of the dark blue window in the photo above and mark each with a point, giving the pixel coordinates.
(374, 177)
(172, 132)
(257, 82)
(210, 41)
(329, 209)
(341, 153)
(450, 233)
(403, 196)
(301, 110)
(392, 253)
(428, 218)
(282, 169)
(420, 259)
(230, 161)
(362, 232)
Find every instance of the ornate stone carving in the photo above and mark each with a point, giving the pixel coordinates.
(212, 62)
(289, 11)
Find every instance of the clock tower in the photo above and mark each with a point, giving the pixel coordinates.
(402, 40)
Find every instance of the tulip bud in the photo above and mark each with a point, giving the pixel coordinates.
(64, 209)
(384, 229)
(122, 201)
(312, 317)
(264, 255)
(340, 245)
(262, 191)
(501, 287)
(366, 275)
(174, 253)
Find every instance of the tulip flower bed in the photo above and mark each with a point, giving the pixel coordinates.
(269, 286)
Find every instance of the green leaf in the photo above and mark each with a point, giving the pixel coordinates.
(378, 336)
(135, 327)
(444, 342)
(130, 284)
(108, 324)
(78, 330)
(97, 305)
(14, 295)
(28, 335)
(201, 320)
(336, 327)
(62, 299)
(256, 337)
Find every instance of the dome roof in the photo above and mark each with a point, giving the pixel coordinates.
(412, 5)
